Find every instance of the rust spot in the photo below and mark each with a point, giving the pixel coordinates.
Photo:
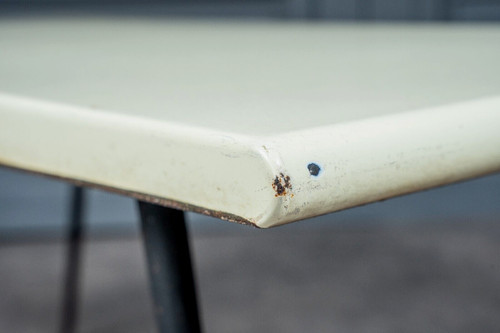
(281, 184)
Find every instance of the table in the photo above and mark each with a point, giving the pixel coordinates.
(258, 123)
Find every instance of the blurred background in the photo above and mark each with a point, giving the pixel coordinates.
(426, 262)
(398, 10)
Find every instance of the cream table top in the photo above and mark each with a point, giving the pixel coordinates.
(256, 122)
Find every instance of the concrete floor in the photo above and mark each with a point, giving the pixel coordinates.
(444, 278)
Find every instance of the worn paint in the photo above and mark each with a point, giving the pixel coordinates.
(144, 197)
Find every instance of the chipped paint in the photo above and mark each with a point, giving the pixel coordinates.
(314, 169)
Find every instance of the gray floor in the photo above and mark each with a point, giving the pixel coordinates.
(425, 278)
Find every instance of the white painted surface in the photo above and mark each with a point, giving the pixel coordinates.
(209, 114)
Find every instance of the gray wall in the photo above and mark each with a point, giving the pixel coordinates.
(425, 10)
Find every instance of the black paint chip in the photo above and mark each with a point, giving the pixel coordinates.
(314, 169)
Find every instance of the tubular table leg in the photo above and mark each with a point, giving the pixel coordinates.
(169, 265)
(70, 297)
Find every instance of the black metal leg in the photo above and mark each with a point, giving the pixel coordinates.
(170, 271)
(70, 298)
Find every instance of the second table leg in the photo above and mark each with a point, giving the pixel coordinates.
(169, 264)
